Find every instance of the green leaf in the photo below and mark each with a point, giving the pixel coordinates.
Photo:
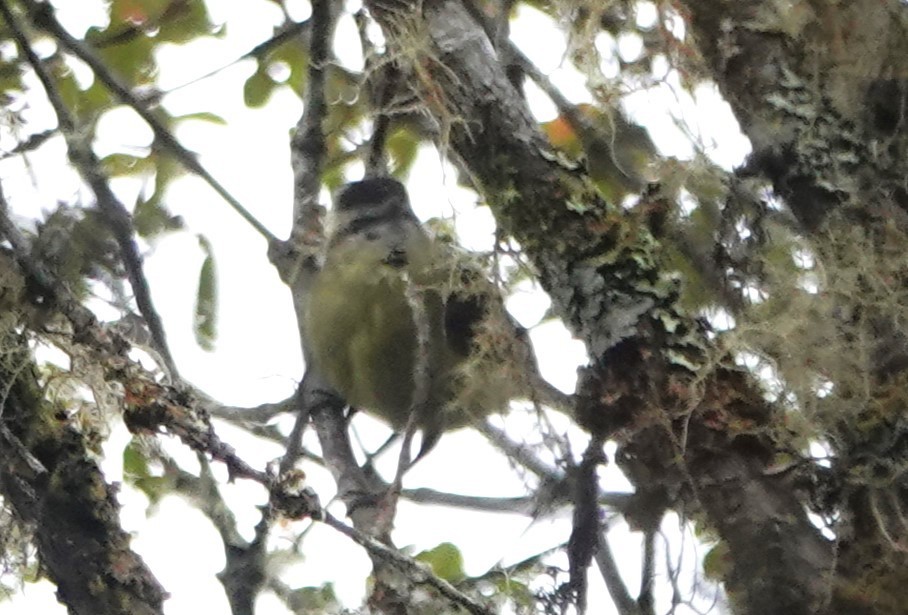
(151, 218)
(295, 57)
(334, 177)
(173, 21)
(716, 562)
(86, 104)
(183, 21)
(137, 472)
(118, 165)
(206, 306)
(10, 77)
(202, 116)
(257, 89)
(518, 591)
(403, 146)
(135, 464)
(347, 109)
(446, 562)
(131, 60)
(313, 599)
(167, 170)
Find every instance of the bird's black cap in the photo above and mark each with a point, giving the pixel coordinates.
(370, 192)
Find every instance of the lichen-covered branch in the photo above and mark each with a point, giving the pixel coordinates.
(654, 382)
(49, 474)
(821, 93)
(64, 499)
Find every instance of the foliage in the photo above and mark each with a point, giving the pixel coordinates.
(740, 312)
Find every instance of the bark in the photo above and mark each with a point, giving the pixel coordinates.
(651, 383)
(820, 91)
(52, 483)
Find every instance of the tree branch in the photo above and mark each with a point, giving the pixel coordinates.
(307, 146)
(823, 104)
(289, 32)
(645, 599)
(617, 589)
(72, 511)
(42, 14)
(116, 215)
(652, 364)
(307, 157)
(415, 573)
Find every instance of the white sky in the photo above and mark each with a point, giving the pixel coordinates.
(257, 358)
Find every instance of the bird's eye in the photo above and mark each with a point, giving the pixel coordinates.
(397, 258)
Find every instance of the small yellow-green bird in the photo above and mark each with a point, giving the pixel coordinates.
(397, 324)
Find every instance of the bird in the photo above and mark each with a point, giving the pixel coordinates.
(399, 324)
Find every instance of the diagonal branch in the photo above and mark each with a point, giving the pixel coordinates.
(42, 14)
(289, 32)
(608, 568)
(417, 573)
(148, 405)
(115, 213)
(50, 479)
(655, 376)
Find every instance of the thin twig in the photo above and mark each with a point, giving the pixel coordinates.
(645, 599)
(382, 89)
(262, 413)
(300, 28)
(245, 570)
(307, 147)
(116, 215)
(256, 419)
(416, 572)
(605, 560)
(203, 492)
(33, 142)
(585, 532)
(556, 478)
(565, 106)
(521, 505)
(422, 382)
(672, 571)
(295, 439)
(518, 452)
(42, 14)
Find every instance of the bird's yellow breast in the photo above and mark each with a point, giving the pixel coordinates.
(361, 330)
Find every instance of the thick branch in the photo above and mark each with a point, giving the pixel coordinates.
(822, 97)
(601, 267)
(65, 500)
